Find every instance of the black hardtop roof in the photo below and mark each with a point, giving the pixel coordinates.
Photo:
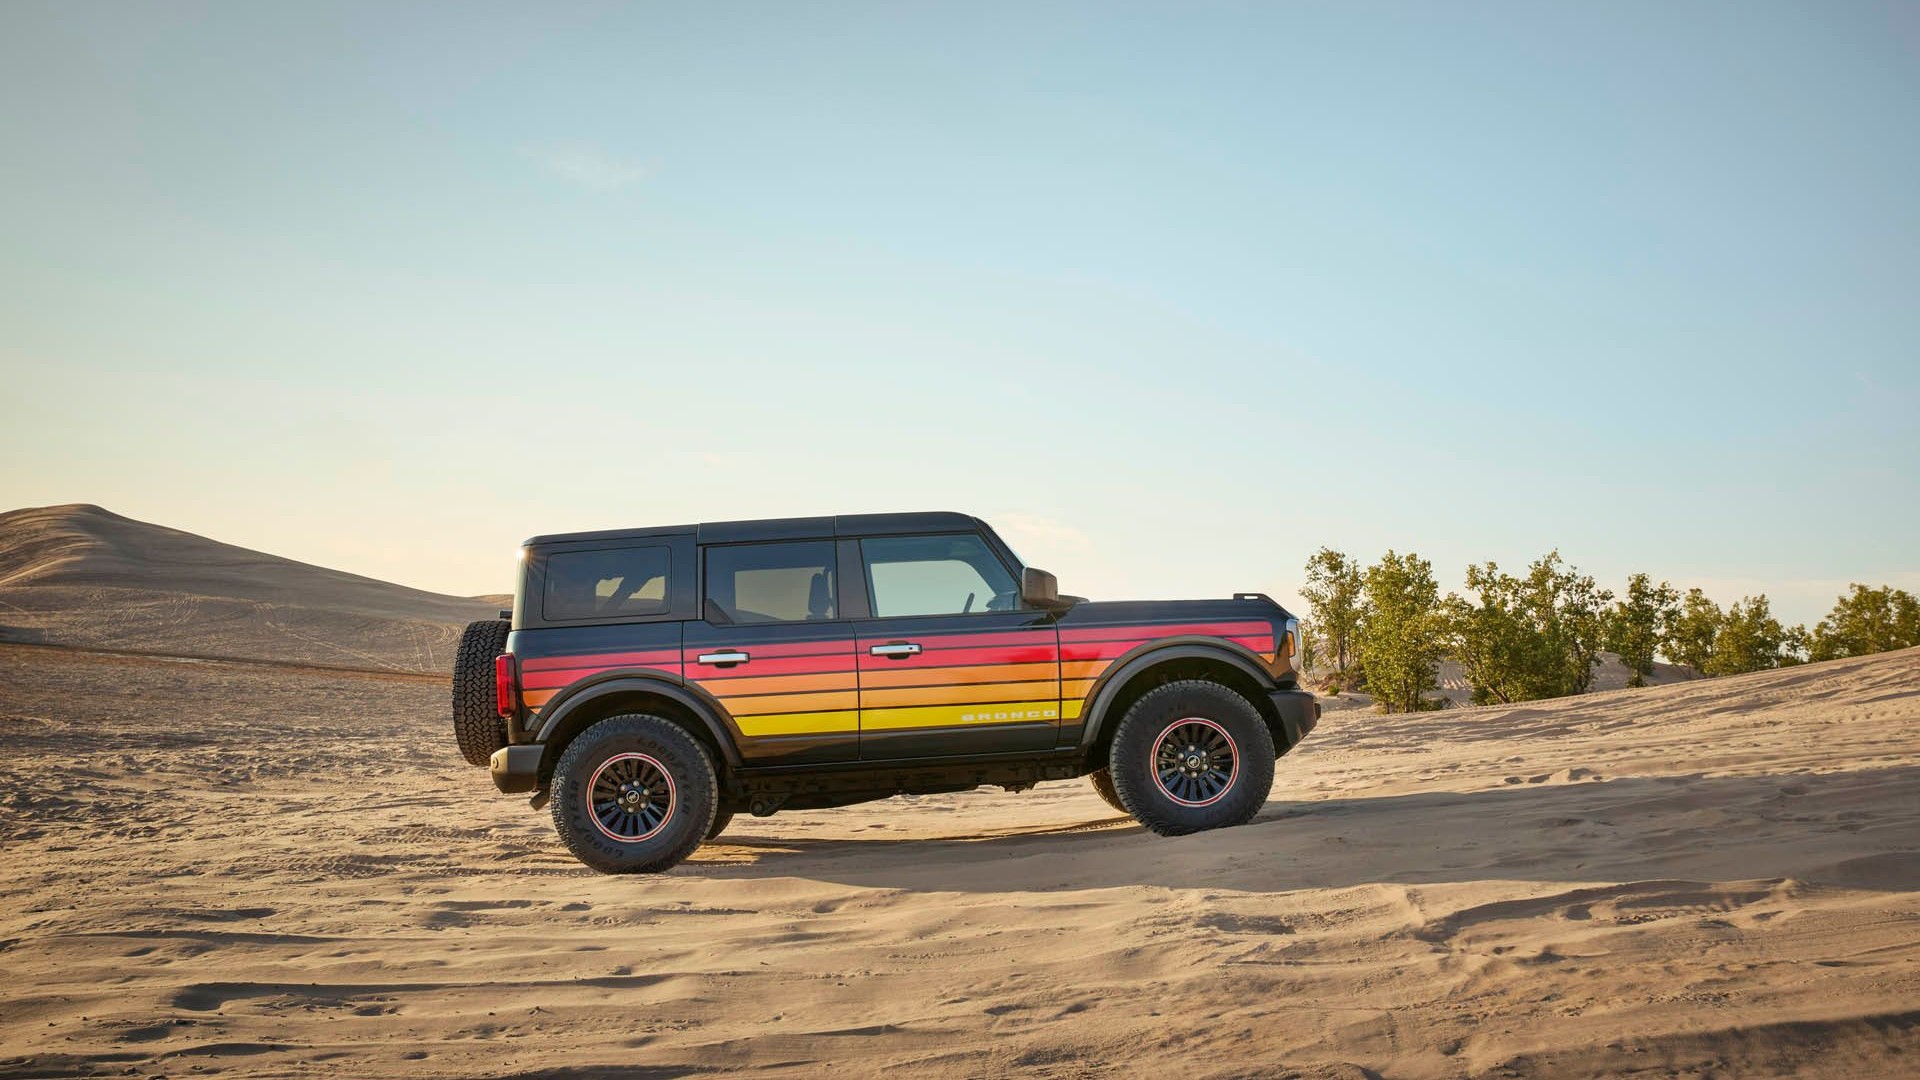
(794, 528)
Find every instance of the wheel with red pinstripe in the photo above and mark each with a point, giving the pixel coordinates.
(1192, 755)
(634, 795)
(1102, 781)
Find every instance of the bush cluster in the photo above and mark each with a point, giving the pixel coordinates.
(1385, 628)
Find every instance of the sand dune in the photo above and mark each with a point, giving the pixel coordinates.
(1707, 879)
(80, 575)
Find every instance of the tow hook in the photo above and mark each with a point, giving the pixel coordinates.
(540, 799)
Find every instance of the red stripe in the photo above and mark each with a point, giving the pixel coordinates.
(869, 639)
(1151, 631)
(793, 665)
(1027, 654)
(1106, 650)
(602, 660)
(549, 680)
(769, 649)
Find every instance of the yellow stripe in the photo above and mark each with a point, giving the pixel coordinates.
(1070, 710)
(964, 694)
(813, 723)
(1018, 712)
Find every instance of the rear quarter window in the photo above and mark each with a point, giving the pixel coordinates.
(606, 583)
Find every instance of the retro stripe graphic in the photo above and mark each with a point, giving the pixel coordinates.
(958, 680)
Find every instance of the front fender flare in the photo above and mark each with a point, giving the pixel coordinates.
(606, 684)
(1094, 717)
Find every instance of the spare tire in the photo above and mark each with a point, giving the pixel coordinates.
(477, 724)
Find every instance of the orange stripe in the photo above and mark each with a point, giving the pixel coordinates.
(873, 678)
(779, 684)
(1083, 669)
(791, 703)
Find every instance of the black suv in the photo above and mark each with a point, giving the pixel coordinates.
(654, 682)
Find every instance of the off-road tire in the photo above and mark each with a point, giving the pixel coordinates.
(1222, 717)
(654, 744)
(477, 724)
(721, 819)
(1102, 781)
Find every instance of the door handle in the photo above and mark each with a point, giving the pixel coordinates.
(898, 650)
(728, 658)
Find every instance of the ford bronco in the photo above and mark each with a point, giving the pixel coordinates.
(652, 683)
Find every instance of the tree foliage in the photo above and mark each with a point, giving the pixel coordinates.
(1690, 634)
(1400, 637)
(1866, 621)
(1528, 638)
(1637, 626)
(1334, 586)
(1749, 639)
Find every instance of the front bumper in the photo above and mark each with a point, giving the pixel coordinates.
(1299, 712)
(516, 768)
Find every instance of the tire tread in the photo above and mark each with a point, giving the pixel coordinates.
(478, 727)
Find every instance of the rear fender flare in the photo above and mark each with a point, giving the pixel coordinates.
(1100, 700)
(606, 684)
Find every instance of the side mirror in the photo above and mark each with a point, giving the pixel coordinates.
(1041, 590)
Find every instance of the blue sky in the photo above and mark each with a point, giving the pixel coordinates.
(1177, 293)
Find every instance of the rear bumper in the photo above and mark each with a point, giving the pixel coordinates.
(516, 768)
(1299, 712)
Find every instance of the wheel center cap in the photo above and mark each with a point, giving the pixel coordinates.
(1194, 762)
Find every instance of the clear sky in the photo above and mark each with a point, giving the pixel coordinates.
(1175, 293)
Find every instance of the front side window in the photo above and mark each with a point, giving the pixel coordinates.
(608, 583)
(762, 583)
(936, 575)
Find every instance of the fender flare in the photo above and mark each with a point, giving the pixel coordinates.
(1093, 718)
(620, 681)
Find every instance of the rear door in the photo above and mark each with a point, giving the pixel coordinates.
(772, 650)
(950, 664)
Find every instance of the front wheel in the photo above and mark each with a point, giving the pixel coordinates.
(634, 795)
(1102, 781)
(1192, 755)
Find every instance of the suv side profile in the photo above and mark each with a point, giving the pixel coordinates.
(652, 683)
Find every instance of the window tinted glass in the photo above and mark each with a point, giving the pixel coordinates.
(788, 582)
(936, 575)
(607, 584)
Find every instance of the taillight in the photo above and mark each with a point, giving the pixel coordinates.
(503, 691)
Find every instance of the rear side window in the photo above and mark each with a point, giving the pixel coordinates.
(607, 583)
(762, 583)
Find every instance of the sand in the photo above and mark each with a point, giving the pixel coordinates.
(218, 869)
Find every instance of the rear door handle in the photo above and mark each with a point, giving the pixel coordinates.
(898, 650)
(727, 658)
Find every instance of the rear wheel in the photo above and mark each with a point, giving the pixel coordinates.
(1102, 781)
(721, 819)
(1192, 755)
(634, 795)
(477, 724)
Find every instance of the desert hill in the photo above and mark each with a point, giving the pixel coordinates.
(82, 575)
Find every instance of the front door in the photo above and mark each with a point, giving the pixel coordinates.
(773, 651)
(949, 661)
